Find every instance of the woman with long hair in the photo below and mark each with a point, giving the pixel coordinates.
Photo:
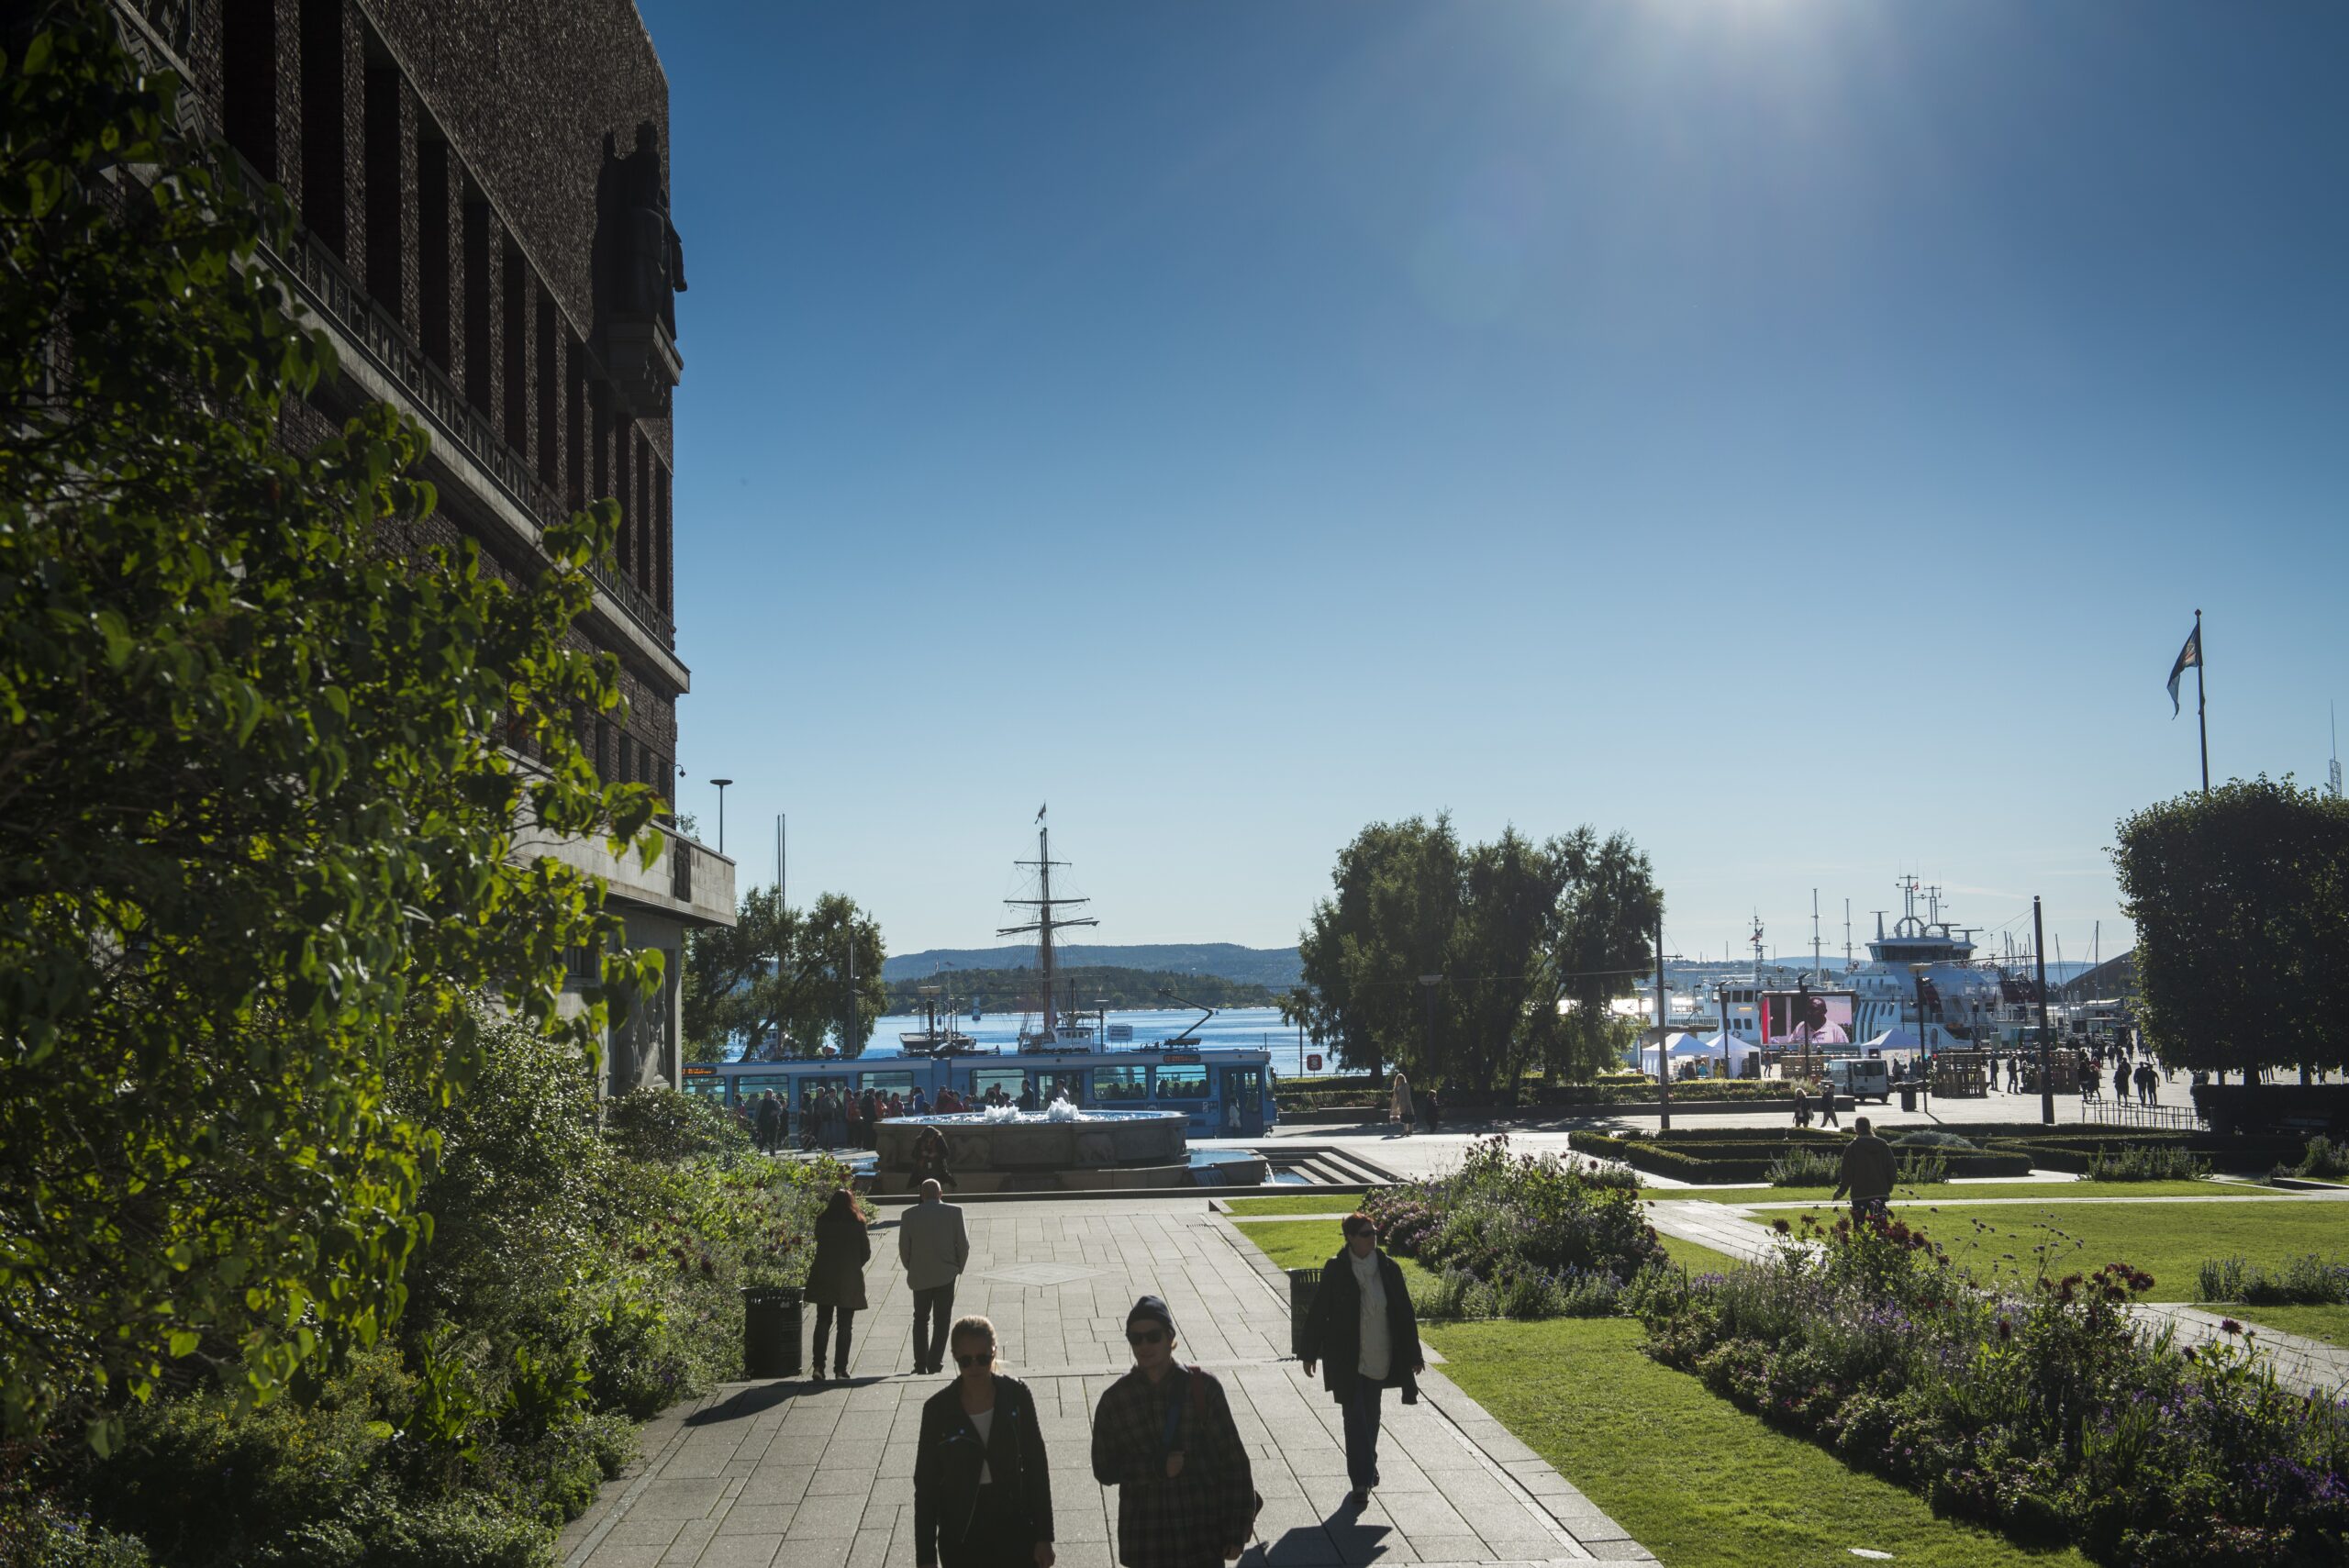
(983, 1495)
(836, 1279)
(930, 1161)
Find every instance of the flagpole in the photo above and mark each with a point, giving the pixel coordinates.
(2202, 700)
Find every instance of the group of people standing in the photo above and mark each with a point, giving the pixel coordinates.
(843, 1118)
(1422, 1109)
(1162, 1434)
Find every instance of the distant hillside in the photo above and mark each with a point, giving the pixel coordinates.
(1016, 990)
(1273, 968)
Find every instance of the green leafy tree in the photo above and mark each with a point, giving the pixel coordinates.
(1501, 1014)
(2241, 900)
(264, 764)
(1605, 938)
(735, 989)
(1391, 921)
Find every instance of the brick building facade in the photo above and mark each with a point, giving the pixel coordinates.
(480, 187)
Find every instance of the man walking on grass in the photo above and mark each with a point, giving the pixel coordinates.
(933, 1247)
(1868, 1171)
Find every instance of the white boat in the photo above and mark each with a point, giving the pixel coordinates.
(1957, 1005)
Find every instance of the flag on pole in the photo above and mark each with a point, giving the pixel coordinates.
(2189, 657)
(1039, 814)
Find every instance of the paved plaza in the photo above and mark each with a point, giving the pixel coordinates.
(782, 1474)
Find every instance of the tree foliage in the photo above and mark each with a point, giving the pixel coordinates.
(261, 781)
(735, 989)
(1507, 930)
(2241, 901)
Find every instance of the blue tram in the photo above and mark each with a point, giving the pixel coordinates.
(1226, 1091)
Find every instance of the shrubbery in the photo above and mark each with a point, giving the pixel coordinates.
(579, 1275)
(2035, 1404)
(2303, 1280)
(2323, 1160)
(2146, 1163)
(1524, 1237)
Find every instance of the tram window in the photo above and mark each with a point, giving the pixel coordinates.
(1111, 1083)
(705, 1084)
(750, 1086)
(1011, 1080)
(1185, 1082)
(886, 1083)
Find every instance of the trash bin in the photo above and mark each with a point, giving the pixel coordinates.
(1908, 1097)
(1304, 1285)
(771, 1331)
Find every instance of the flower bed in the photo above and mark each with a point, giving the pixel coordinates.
(2037, 1406)
(1530, 1235)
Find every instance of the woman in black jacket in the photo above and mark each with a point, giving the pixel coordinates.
(1363, 1331)
(983, 1495)
(836, 1279)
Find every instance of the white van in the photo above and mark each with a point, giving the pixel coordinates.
(1862, 1077)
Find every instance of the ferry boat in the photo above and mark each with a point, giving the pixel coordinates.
(1226, 1091)
(1923, 980)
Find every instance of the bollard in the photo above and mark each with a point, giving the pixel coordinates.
(771, 1331)
(1304, 1285)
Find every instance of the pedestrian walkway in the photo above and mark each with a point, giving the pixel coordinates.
(2299, 1362)
(785, 1476)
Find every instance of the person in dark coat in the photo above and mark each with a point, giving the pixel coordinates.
(769, 1123)
(930, 1161)
(1362, 1332)
(982, 1492)
(1164, 1438)
(836, 1279)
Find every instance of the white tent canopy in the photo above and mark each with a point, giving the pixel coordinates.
(1682, 1047)
(1890, 1041)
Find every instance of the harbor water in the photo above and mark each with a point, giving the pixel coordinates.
(1258, 1027)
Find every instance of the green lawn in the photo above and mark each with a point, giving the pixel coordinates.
(1696, 1258)
(1308, 1243)
(1953, 1191)
(2329, 1323)
(1696, 1480)
(1301, 1203)
(2168, 1241)
(1302, 1243)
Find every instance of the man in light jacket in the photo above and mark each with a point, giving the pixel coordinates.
(933, 1247)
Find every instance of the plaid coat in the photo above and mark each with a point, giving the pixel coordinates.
(1185, 1522)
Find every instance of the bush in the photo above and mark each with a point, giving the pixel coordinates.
(2323, 1160)
(1933, 1138)
(2145, 1162)
(1529, 1236)
(2302, 1282)
(664, 1124)
(1923, 1169)
(2037, 1406)
(1804, 1168)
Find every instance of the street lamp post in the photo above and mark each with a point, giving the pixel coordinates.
(721, 784)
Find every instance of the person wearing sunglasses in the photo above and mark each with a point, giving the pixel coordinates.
(983, 1492)
(1164, 1438)
(1362, 1331)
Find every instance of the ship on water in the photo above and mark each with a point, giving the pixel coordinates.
(1222, 1090)
(1922, 981)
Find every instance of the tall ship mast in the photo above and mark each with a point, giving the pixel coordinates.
(1044, 922)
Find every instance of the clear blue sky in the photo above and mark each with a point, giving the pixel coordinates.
(1796, 433)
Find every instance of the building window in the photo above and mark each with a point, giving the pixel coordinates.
(322, 143)
(647, 567)
(434, 242)
(574, 425)
(622, 447)
(628, 758)
(249, 82)
(601, 437)
(518, 351)
(387, 263)
(477, 300)
(664, 558)
(549, 390)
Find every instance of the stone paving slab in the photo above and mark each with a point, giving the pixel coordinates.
(788, 1475)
